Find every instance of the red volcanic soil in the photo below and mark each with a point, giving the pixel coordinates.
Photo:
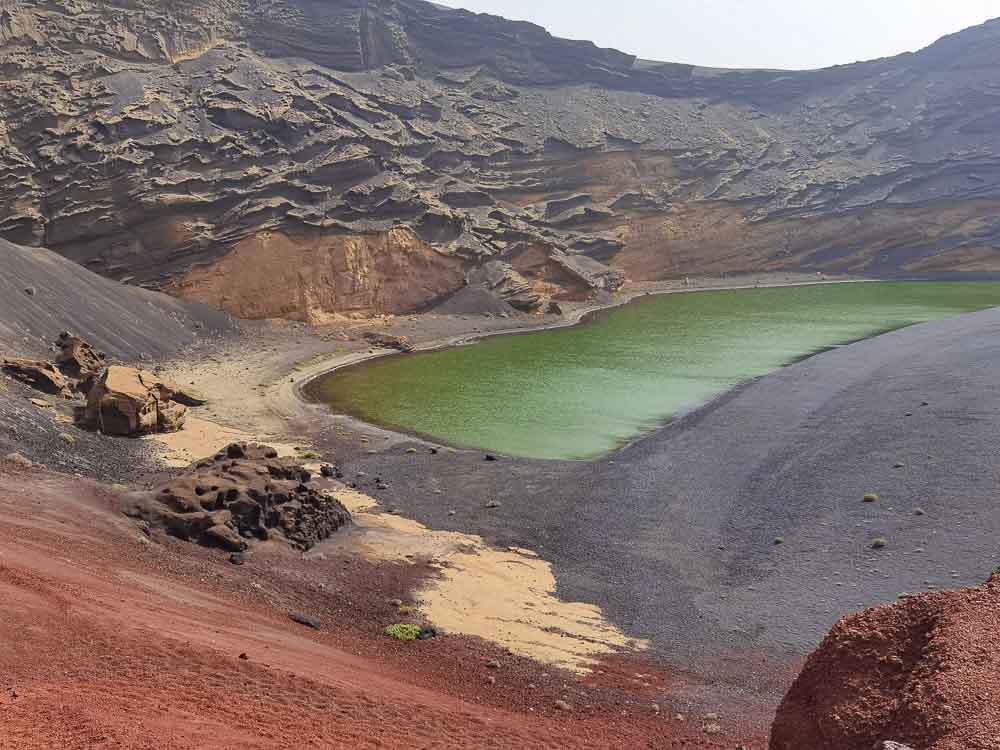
(924, 672)
(110, 640)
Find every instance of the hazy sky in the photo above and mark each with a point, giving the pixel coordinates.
(749, 33)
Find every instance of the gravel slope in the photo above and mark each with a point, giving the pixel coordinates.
(42, 293)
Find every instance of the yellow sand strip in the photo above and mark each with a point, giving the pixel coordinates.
(504, 596)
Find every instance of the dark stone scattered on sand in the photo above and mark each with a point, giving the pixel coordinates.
(306, 620)
(489, 457)
(239, 558)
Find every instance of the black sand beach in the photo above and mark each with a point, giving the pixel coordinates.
(676, 536)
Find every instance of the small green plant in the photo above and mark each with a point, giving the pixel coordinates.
(779, 541)
(920, 512)
(406, 609)
(310, 456)
(403, 631)
(871, 497)
(879, 543)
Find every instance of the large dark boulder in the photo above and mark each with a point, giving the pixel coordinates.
(243, 493)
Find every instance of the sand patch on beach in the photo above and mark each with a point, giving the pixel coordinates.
(506, 596)
(201, 438)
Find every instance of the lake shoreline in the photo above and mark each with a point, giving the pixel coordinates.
(583, 314)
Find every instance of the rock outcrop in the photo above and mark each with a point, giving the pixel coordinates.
(923, 673)
(243, 493)
(302, 159)
(388, 341)
(42, 376)
(119, 400)
(129, 401)
(79, 360)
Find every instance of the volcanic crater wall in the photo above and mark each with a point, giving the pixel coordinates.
(197, 147)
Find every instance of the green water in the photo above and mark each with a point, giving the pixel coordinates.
(580, 392)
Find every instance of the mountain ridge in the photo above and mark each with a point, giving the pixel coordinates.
(177, 145)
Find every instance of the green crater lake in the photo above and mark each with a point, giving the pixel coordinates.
(582, 391)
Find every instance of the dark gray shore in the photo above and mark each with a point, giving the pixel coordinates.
(675, 536)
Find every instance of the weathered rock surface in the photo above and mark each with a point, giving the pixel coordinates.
(128, 401)
(79, 360)
(42, 376)
(244, 492)
(301, 159)
(924, 672)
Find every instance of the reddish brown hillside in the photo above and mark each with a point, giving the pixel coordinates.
(924, 672)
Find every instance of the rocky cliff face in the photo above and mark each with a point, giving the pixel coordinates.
(183, 144)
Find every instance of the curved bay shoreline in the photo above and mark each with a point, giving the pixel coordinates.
(581, 314)
(672, 536)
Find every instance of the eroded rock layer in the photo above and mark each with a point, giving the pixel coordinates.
(300, 158)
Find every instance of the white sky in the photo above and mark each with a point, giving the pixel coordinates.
(794, 34)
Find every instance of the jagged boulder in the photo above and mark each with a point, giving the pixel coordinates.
(128, 401)
(244, 492)
(77, 359)
(42, 376)
(925, 672)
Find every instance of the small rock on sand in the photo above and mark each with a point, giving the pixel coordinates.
(16, 459)
(306, 620)
(563, 706)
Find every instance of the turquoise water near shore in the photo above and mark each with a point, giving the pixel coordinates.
(580, 392)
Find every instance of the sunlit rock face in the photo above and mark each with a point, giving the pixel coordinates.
(155, 141)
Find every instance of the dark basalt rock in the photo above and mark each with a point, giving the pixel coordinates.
(388, 341)
(243, 493)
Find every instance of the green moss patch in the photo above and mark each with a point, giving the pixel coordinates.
(403, 631)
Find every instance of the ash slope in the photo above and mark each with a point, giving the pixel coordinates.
(41, 294)
(298, 158)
